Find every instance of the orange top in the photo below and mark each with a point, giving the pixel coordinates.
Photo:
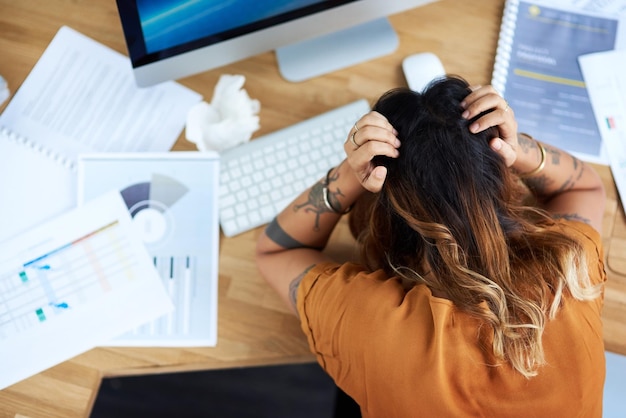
(407, 353)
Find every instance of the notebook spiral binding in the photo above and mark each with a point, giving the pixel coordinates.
(48, 153)
(505, 43)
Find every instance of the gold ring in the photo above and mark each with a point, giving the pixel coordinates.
(352, 139)
(356, 128)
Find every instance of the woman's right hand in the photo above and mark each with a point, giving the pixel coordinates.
(483, 98)
(371, 135)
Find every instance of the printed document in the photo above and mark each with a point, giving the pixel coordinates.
(172, 198)
(537, 71)
(71, 284)
(79, 97)
(605, 77)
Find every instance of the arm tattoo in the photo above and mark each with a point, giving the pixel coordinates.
(540, 183)
(537, 184)
(280, 237)
(315, 200)
(555, 155)
(571, 217)
(293, 287)
(525, 143)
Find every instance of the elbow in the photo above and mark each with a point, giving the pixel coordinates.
(597, 187)
(261, 255)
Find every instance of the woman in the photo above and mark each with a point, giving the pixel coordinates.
(469, 301)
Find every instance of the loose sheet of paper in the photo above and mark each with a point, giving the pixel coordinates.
(172, 198)
(605, 77)
(598, 6)
(71, 284)
(79, 97)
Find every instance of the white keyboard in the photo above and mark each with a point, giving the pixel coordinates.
(260, 178)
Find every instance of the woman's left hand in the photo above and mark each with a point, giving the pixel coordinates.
(483, 98)
(371, 135)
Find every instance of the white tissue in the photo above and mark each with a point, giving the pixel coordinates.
(229, 120)
(4, 90)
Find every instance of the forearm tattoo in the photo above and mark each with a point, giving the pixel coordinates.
(277, 234)
(293, 287)
(571, 217)
(525, 143)
(577, 173)
(541, 183)
(315, 200)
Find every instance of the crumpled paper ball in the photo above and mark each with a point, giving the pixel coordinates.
(4, 90)
(229, 120)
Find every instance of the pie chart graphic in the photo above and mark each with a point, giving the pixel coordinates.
(150, 203)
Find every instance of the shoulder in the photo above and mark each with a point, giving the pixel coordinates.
(329, 283)
(581, 231)
(591, 241)
(334, 275)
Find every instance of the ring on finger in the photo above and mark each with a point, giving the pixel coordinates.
(506, 108)
(353, 140)
(356, 128)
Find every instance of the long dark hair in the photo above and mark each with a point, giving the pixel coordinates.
(451, 215)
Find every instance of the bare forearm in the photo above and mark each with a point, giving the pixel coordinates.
(310, 219)
(561, 172)
(293, 241)
(564, 186)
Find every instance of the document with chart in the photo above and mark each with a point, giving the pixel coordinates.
(605, 77)
(172, 199)
(79, 97)
(72, 284)
(536, 69)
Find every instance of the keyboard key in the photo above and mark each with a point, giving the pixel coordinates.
(260, 178)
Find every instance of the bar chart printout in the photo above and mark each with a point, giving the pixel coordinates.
(72, 284)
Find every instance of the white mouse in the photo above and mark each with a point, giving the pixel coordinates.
(422, 68)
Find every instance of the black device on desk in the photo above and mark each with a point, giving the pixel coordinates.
(168, 40)
(279, 391)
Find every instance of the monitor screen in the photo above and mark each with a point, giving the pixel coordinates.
(171, 39)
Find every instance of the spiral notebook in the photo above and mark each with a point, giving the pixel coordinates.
(536, 70)
(79, 97)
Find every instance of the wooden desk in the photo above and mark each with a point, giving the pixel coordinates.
(254, 326)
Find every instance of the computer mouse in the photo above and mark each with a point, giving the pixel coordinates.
(422, 68)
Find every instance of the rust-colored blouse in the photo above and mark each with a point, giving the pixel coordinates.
(409, 354)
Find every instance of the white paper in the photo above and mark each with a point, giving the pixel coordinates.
(4, 90)
(605, 78)
(173, 201)
(598, 6)
(71, 284)
(33, 187)
(79, 97)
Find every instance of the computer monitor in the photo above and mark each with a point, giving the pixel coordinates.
(173, 39)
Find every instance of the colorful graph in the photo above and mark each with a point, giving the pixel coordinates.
(63, 278)
(172, 201)
(148, 204)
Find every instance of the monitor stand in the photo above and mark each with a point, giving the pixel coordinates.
(337, 50)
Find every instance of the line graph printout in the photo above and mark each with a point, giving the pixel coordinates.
(72, 284)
